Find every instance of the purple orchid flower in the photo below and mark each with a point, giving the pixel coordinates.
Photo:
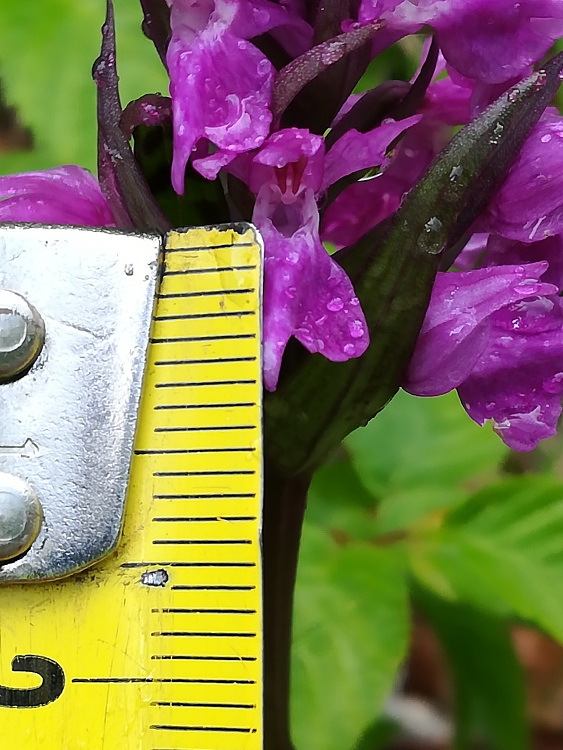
(494, 326)
(495, 334)
(488, 41)
(366, 203)
(64, 195)
(306, 293)
(529, 204)
(499, 251)
(515, 377)
(220, 83)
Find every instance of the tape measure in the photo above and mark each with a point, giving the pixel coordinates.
(159, 646)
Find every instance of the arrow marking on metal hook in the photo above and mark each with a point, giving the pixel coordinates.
(28, 450)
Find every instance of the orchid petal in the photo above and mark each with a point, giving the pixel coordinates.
(529, 204)
(64, 195)
(220, 90)
(456, 328)
(518, 381)
(355, 151)
(307, 295)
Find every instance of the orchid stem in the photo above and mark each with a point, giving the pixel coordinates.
(285, 500)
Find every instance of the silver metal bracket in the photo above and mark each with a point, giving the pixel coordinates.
(75, 314)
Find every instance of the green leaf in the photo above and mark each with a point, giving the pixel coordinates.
(350, 636)
(337, 501)
(502, 551)
(379, 735)
(459, 564)
(488, 680)
(524, 513)
(47, 48)
(422, 442)
(415, 508)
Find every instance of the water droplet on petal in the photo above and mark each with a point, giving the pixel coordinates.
(335, 305)
(356, 329)
(349, 349)
(554, 384)
(261, 16)
(545, 138)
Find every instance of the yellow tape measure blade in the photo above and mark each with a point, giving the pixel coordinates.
(160, 646)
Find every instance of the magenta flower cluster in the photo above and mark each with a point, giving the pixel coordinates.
(494, 327)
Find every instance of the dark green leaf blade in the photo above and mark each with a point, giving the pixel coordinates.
(318, 103)
(156, 25)
(304, 69)
(487, 678)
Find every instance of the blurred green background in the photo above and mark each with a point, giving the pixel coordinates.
(47, 48)
(429, 604)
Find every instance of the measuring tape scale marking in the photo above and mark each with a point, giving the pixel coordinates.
(159, 647)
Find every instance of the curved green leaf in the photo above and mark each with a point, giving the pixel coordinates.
(422, 442)
(483, 570)
(350, 636)
(524, 513)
